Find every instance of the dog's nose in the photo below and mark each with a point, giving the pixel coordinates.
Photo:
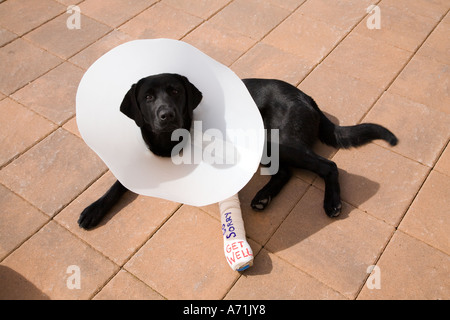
(166, 114)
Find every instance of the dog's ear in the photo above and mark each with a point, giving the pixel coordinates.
(193, 95)
(130, 107)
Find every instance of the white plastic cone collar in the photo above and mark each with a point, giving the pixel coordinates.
(227, 108)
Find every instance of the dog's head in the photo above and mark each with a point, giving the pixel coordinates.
(161, 103)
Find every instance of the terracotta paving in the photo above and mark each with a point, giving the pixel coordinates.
(392, 240)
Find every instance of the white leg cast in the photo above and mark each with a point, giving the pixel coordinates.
(238, 252)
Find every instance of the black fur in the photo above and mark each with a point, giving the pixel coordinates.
(159, 105)
(300, 123)
(282, 106)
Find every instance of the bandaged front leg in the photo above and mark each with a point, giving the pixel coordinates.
(238, 252)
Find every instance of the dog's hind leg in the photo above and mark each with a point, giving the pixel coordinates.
(271, 189)
(93, 214)
(303, 157)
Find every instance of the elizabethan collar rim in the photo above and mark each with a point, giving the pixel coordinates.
(227, 108)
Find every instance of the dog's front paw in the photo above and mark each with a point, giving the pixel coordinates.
(91, 216)
(260, 202)
(333, 209)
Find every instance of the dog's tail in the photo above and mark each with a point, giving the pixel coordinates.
(352, 136)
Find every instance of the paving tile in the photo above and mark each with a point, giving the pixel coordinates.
(335, 251)
(6, 36)
(252, 18)
(44, 260)
(308, 38)
(54, 172)
(437, 45)
(429, 8)
(288, 4)
(69, 2)
(443, 165)
(426, 81)
(21, 16)
(428, 218)
(53, 94)
(378, 181)
(411, 270)
(72, 127)
(260, 225)
(57, 38)
(126, 228)
(20, 128)
(265, 61)
(340, 95)
(124, 286)
(185, 258)
(88, 56)
(271, 278)
(342, 13)
(21, 62)
(405, 30)
(19, 220)
(368, 59)
(423, 132)
(116, 12)
(200, 8)
(220, 43)
(158, 22)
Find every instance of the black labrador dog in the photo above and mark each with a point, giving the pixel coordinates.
(162, 103)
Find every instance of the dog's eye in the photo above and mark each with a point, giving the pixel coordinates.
(150, 97)
(174, 91)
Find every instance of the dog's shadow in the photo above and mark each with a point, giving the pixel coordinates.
(14, 286)
(288, 221)
(266, 227)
